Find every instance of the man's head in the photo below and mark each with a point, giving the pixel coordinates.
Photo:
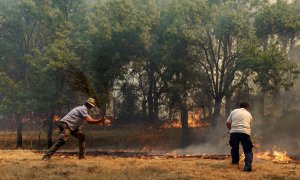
(244, 105)
(90, 103)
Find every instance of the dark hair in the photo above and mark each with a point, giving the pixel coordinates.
(244, 105)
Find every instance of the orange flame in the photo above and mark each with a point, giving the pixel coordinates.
(56, 118)
(194, 120)
(275, 156)
(281, 157)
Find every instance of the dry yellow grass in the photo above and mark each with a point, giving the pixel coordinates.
(22, 164)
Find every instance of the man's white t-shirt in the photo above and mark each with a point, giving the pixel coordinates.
(241, 121)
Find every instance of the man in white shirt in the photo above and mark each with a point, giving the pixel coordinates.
(239, 123)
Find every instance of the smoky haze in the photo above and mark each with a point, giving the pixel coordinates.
(271, 132)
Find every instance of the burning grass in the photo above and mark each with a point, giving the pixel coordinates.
(275, 156)
(20, 164)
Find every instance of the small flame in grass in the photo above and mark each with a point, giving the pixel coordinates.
(281, 157)
(275, 156)
(173, 153)
(266, 155)
(146, 149)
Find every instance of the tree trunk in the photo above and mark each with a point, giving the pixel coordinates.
(19, 131)
(203, 112)
(286, 95)
(150, 96)
(150, 108)
(184, 116)
(50, 130)
(210, 112)
(114, 109)
(144, 98)
(155, 108)
(217, 112)
(184, 123)
(261, 106)
(170, 113)
(228, 106)
(144, 108)
(285, 102)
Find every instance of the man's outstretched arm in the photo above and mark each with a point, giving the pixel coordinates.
(91, 120)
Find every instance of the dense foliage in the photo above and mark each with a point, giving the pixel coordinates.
(144, 60)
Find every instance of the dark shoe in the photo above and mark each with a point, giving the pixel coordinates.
(247, 169)
(45, 158)
(81, 157)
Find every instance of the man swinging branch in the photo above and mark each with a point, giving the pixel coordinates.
(71, 125)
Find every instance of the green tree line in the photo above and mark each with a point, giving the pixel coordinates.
(145, 60)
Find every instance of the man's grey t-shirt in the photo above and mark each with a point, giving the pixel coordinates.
(75, 118)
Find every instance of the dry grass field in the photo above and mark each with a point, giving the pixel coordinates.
(24, 164)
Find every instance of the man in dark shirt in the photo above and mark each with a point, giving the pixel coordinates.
(71, 125)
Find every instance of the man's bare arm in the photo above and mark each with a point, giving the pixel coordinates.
(228, 124)
(91, 120)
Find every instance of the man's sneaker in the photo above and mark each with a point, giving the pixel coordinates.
(81, 156)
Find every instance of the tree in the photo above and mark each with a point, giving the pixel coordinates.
(215, 43)
(28, 26)
(179, 22)
(279, 21)
(49, 79)
(269, 68)
(123, 36)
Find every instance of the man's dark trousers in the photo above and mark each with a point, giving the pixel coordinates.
(235, 139)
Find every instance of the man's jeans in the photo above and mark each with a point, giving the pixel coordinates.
(235, 139)
(64, 132)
